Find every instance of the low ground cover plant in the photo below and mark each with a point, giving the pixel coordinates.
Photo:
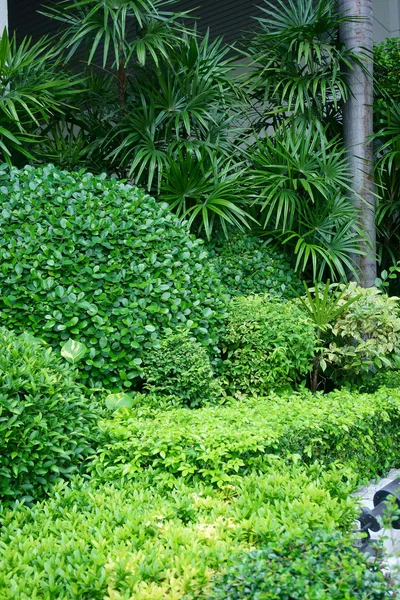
(214, 443)
(146, 540)
(266, 344)
(47, 427)
(99, 261)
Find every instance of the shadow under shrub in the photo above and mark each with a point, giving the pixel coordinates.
(316, 566)
(180, 366)
(47, 427)
(101, 262)
(267, 344)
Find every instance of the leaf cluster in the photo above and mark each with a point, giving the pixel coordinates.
(100, 262)
(212, 444)
(47, 427)
(320, 566)
(267, 343)
(247, 264)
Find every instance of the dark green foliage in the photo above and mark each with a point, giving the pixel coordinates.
(33, 90)
(320, 566)
(213, 443)
(92, 259)
(45, 422)
(249, 265)
(267, 344)
(180, 366)
(389, 378)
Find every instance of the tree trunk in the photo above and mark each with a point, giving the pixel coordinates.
(358, 126)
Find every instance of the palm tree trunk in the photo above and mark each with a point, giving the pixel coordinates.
(358, 126)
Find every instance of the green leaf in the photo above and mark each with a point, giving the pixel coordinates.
(120, 400)
(73, 351)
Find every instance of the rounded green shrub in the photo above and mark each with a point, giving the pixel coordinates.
(46, 425)
(99, 261)
(180, 366)
(320, 566)
(267, 344)
(248, 265)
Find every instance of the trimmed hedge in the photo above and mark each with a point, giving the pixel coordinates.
(248, 265)
(146, 541)
(101, 262)
(47, 426)
(212, 444)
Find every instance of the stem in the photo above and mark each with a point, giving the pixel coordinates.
(314, 373)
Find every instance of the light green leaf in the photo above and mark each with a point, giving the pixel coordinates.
(73, 351)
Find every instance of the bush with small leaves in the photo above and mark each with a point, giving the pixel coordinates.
(267, 343)
(96, 260)
(316, 566)
(148, 540)
(248, 265)
(47, 427)
(214, 443)
(180, 366)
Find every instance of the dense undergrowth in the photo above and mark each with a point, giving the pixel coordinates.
(200, 450)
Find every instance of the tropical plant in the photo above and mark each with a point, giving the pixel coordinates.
(183, 106)
(300, 184)
(206, 191)
(322, 304)
(32, 91)
(299, 64)
(359, 331)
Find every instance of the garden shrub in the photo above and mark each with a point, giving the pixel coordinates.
(215, 442)
(146, 541)
(365, 337)
(180, 366)
(267, 344)
(46, 425)
(320, 566)
(385, 378)
(99, 261)
(248, 265)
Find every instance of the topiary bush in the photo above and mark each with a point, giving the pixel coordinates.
(248, 265)
(180, 366)
(46, 425)
(267, 344)
(320, 566)
(99, 261)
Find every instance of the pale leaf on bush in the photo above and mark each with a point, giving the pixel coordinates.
(116, 401)
(73, 351)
